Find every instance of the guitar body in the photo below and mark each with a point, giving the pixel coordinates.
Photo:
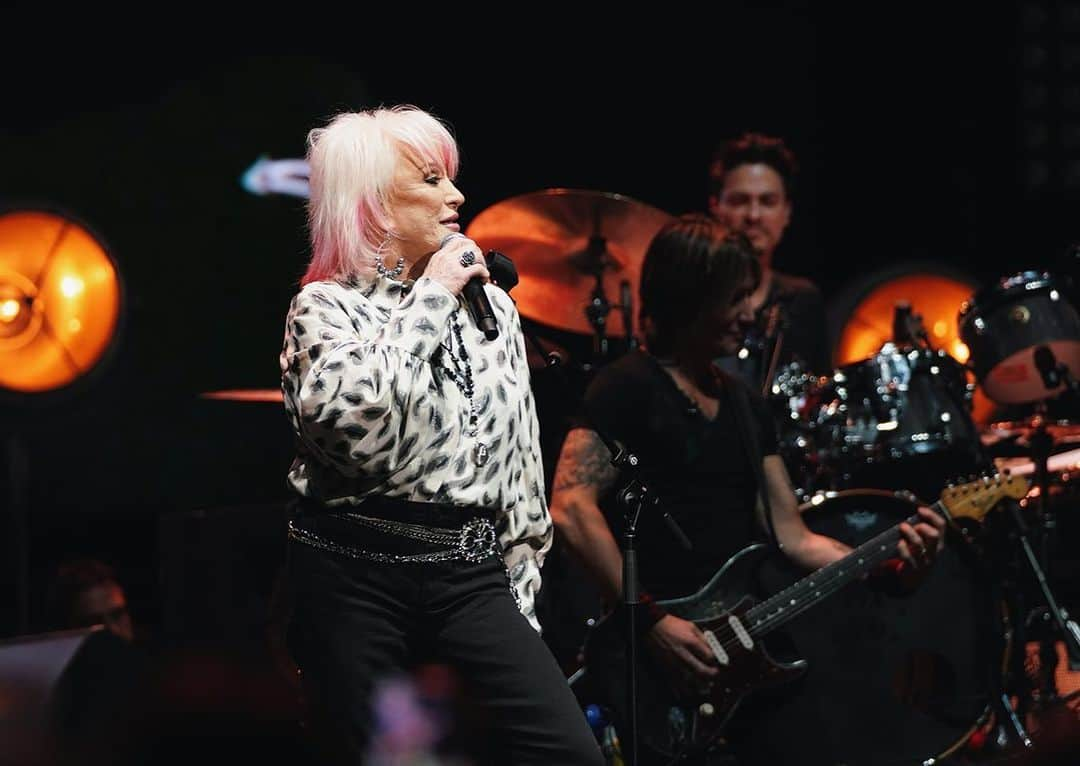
(667, 725)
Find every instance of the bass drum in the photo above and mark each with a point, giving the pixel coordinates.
(891, 679)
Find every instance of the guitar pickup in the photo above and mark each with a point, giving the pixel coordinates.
(717, 647)
(740, 632)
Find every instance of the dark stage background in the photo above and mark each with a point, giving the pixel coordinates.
(919, 138)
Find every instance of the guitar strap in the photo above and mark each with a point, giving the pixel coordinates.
(738, 398)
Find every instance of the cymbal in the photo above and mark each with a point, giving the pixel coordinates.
(1022, 430)
(245, 395)
(559, 240)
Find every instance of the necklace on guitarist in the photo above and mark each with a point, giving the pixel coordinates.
(462, 375)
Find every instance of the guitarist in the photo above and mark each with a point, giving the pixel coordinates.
(707, 449)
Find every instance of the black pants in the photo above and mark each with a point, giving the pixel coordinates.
(356, 622)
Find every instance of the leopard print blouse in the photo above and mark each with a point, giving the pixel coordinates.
(367, 377)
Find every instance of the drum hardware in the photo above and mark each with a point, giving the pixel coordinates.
(1027, 696)
(626, 304)
(598, 307)
(1024, 338)
(1042, 443)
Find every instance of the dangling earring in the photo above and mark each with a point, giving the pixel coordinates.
(380, 267)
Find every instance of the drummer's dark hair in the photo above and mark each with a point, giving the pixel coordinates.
(691, 262)
(754, 149)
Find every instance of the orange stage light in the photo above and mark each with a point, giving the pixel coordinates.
(60, 301)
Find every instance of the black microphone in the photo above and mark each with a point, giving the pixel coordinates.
(477, 301)
(504, 274)
(480, 307)
(1047, 364)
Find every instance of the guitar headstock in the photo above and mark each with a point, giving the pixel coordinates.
(975, 499)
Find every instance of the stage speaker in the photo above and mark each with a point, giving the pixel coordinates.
(220, 572)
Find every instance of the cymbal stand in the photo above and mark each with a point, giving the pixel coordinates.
(626, 298)
(599, 307)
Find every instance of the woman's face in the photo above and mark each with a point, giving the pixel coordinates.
(424, 208)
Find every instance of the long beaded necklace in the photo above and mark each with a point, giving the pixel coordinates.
(462, 375)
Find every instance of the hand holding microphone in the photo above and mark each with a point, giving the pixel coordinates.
(450, 266)
(459, 266)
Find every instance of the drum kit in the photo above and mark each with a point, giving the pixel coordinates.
(876, 436)
(901, 419)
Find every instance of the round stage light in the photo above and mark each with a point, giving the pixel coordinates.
(61, 301)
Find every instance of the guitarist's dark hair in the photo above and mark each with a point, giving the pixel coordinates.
(691, 262)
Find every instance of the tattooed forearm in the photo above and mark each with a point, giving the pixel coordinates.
(584, 461)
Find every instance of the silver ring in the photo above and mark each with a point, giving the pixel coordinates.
(468, 258)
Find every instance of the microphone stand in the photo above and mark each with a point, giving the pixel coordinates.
(634, 497)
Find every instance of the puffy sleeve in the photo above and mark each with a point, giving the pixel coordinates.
(359, 382)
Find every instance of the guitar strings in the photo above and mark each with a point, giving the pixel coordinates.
(833, 577)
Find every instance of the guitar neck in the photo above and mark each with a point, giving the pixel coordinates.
(812, 589)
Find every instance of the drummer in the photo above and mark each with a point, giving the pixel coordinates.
(752, 180)
(706, 445)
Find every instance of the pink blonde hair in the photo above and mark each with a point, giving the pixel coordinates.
(352, 160)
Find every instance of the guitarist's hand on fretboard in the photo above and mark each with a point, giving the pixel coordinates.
(680, 646)
(921, 543)
(916, 552)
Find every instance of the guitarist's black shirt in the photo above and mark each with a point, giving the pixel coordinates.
(699, 469)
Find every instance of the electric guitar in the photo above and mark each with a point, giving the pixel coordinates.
(734, 624)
